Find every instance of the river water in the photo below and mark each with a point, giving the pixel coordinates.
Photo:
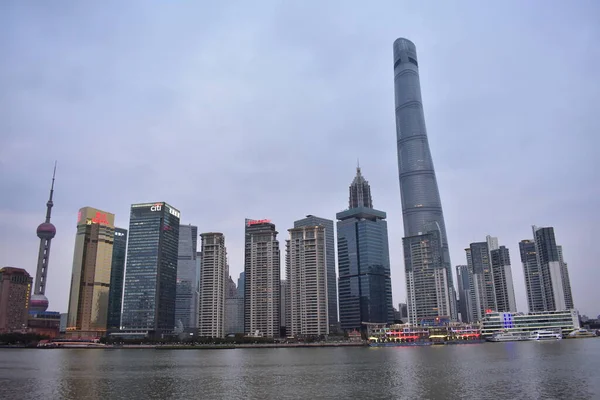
(568, 369)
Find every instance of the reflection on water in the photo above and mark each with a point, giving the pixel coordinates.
(526, 370)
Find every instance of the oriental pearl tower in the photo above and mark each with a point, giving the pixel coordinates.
(46, 231)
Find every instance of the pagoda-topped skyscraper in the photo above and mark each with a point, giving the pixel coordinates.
(46, 232)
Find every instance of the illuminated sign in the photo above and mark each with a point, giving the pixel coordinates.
(119, 234)
(174, 212)
(156, 207)
(258, 221)
(79, 216)
(100, 218)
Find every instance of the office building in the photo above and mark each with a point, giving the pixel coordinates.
(306, 273)
(15, 294)
(262, 286)
(213, 278)
(241, 283)
(421, 204)
(46, 232)
(365, 287)
(503, 281)
(187, 300)
(358, 193)
(566, 280)
(151, 272)
(484, 295)
(117, 279)
(426, 276)
(565, 321)
(234, 309)
(90, 277)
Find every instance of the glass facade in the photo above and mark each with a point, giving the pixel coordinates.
(117, 276)
(421, 204)
(533, 276)
(186, 303)
(332, 295)
(365, 288)
(151, 274)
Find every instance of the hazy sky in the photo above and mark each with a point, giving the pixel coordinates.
(260, 110)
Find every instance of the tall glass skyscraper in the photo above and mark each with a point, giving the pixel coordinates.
(332, 301)
(151, 274)
(117, 278)
(421, 204)
(365, 286)
(186, 303)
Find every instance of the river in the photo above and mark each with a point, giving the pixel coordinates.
(568, 369)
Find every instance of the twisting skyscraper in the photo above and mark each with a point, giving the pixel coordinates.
(46, 232)
(421, 204)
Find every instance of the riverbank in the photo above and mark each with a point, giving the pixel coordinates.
(200, 346)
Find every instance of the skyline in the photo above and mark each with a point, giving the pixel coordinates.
(485, 140)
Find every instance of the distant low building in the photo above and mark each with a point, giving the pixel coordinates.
(15, 293)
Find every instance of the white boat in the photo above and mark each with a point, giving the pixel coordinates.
(507, 336)
(581, 333)
(544, 335)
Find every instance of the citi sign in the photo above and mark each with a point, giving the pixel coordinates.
(156, 207)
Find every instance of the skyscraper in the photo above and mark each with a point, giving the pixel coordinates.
(306, 270)
(533, 276)
(90, 279)
(234, 309)
(15, 293)
(359, 194)
(151, 273)
(117, 278)
(478, 261)
(465, 285)
(262, 290)
(503, 281)
(186, 303)
(365, 288)
(46, 232)
(421, 204)
(284, 309)
(555, 277)
(213, 280)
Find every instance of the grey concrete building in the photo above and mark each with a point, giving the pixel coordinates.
(213, 279)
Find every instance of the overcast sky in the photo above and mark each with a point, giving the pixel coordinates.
(260, 109)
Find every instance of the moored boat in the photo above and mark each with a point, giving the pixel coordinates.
(581, 333)
(544, 335)
(508, 336)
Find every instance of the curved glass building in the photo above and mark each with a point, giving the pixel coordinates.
(421, 204)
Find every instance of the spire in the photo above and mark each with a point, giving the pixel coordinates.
(49, 204)
(360, 191)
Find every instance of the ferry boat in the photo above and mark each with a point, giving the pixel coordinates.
(508, 336)
(544, 335)
(581, 333)
(399, 336)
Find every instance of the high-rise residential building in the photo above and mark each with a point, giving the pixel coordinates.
(359, 193)
(90, 279)
(262, 286)
(46, 232)
(503, 281)
(187, 300)
(421, 204)
(213, 279)
(427, 278)
(555, 277)
(484, 296)
(365, 286)
(306, 273)
(464, 277)
(566, 280)
(234, 309)
(533, 276)
(117, 279)
(15, 294)
(151, 272)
